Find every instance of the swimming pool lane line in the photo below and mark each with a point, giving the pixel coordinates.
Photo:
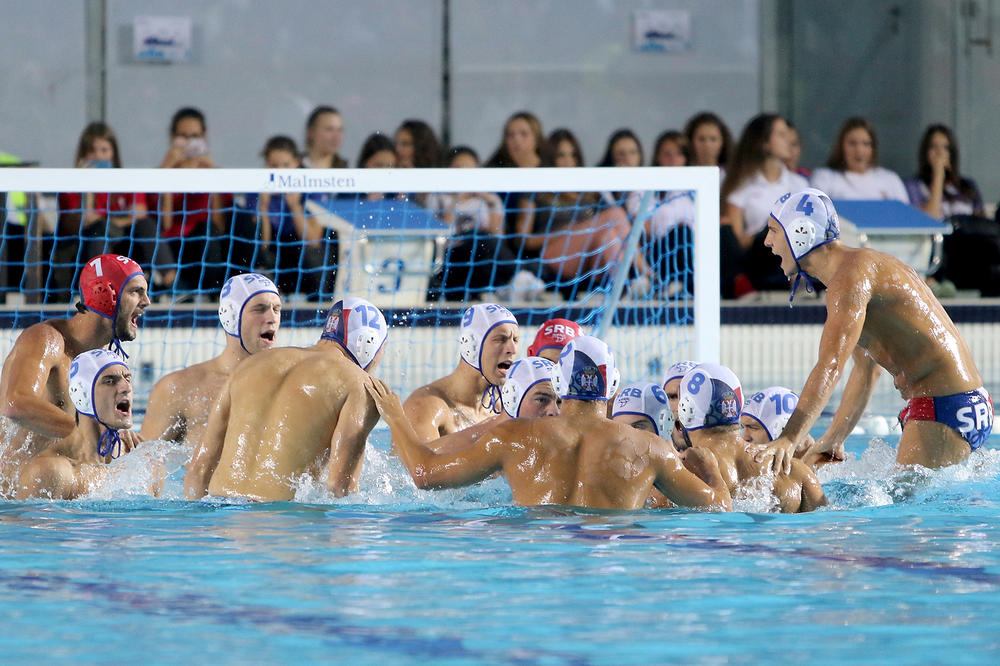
(190, 606)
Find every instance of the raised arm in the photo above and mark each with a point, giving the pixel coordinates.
(847, 301)
(683, 487)
(25, 383)
(447, 469)
(347, 445)
(207, 452)
(857, 394)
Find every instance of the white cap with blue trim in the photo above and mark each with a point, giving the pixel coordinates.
(84, 372)
(677, 370)
(586, 370)
(235, 295)
(710, 396)
(359, 327)
(477, 322)
(645, 399)
(524, 374)
(771, 408)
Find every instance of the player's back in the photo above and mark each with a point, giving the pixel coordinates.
(284, 406)
(615, 470)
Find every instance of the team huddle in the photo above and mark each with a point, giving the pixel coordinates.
(556, 424)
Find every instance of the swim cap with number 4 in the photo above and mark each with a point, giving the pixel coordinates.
(359, 327)
(586, 370)
(710, 396)
(808, 219)
(771, 408)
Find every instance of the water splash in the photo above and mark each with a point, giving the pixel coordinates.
(154, 468)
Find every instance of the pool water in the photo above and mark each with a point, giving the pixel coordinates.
(902, 567)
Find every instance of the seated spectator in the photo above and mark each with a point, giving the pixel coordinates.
(971, 253)
(757, 176)
(578, 237)
(324, 132)
(417, 146)
(710, 140)
(187, 220)
(796, 152)
(476, 259)
(377, 152)
(99, 223)
(669, 240)
(939, 189)
(566, 151)
(852, 170)
(294, 238)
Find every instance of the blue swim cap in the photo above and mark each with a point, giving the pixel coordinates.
(710, 396)
(771, 408)
(524, 374)
(359, 327)
(235, 295)
(645, 399)
(586, 370)
(84, 372)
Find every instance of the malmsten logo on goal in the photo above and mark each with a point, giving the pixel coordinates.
(293, 181)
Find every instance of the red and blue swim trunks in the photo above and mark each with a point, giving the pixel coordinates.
(970, 414)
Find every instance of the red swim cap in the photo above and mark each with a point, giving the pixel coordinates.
(103, 279)
(554, 334)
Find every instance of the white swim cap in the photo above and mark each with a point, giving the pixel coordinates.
(524, 374)
(808, 218)
(645, 399)
(677, 370)
(710, 396)
(83, 374)
(586, 370)
(359, 327)
(477, 322)
(771, 408)
(235, 295)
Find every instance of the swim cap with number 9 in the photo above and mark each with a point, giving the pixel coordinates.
(477, 322)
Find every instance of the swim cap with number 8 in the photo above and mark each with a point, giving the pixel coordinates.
(710, 396)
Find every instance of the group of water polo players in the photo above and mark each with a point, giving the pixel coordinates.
(556, 424)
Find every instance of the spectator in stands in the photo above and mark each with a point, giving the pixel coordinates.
(852, 170)
(566, 151)
(522, 145)
(324, 132)
(669, 239)
(796, 152)
(294, 238)
(187, 220)
(939, 189)
(757, 176)
(578, 237)
(97, 223)
(14, 211)
(476, 259)
(417, 146)
(623, 149)
(377, 152)
(971, 253)
(711, 141)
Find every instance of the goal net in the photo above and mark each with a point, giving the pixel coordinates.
(631, 254)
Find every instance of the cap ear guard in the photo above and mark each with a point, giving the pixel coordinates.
(84, 372)
(808, 219)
